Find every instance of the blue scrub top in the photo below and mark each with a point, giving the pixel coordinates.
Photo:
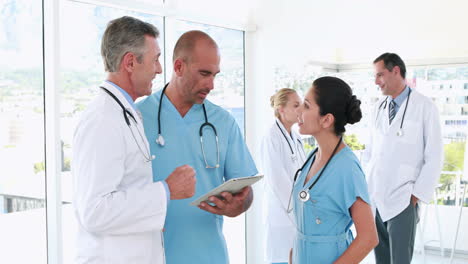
(323, 222)
(191, 234)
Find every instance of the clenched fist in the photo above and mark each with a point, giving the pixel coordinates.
(181, 182)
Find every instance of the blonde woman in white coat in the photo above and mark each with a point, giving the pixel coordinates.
(282, 154)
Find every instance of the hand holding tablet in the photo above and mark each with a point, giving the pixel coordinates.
(232, 186)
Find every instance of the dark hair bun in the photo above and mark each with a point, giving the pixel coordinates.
(353, 110)
(334, 96)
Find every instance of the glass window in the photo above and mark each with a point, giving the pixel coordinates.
(81, 73)
(229, 83)
(22, 175)
(452, 110)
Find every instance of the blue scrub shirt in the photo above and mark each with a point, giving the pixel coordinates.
(323, 222)
(191, 234)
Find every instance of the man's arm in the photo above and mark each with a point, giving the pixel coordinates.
(433, 155)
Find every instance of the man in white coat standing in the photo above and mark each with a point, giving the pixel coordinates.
(120, 210)
(403, 159)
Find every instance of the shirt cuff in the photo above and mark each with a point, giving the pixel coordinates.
(168, 193)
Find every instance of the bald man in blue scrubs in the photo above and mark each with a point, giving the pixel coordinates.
(194, 234)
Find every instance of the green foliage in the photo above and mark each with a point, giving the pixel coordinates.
(73, 81)
(39, 167)
(350, 140)
(66, 164)
(454, 154)
(23, 80)
(353, 142)
(308, 148)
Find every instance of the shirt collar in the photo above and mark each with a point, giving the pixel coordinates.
(125, 94)
(402, 96)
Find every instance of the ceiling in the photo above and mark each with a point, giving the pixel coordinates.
(343, 32)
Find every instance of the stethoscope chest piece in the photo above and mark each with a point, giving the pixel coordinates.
(294, 158)
(400, 133)
(304, 196)
(160, 140)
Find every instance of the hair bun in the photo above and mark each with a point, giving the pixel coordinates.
(353, 111)
(272, 100)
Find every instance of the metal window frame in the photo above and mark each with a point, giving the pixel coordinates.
(53, 158)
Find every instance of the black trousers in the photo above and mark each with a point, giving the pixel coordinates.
(396, 237)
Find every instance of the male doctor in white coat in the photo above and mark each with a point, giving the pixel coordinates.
(120, 210)
(403, 159)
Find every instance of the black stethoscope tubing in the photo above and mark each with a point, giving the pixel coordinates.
(324, 167)
(285, 138)
(200, 132)
(126, 113)
(385, 106)
(304, 194)
(204, 113)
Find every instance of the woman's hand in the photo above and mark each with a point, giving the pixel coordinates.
(290, 256)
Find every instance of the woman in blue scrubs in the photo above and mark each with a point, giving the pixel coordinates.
(330, 192)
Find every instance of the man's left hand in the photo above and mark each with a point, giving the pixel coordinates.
(231, 205)
(414, 200)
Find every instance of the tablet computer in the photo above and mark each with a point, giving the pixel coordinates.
(233, 186)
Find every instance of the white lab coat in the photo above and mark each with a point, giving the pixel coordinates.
(279, 170)
(120, 210)
(398, 167)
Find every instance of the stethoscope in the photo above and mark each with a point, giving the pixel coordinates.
(293, 155)
(384, 104)
(126, 113)
(160, 138)
(304, 195)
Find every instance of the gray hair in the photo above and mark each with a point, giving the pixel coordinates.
(122, 35)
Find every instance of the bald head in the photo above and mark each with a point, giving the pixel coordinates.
(186, 44)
